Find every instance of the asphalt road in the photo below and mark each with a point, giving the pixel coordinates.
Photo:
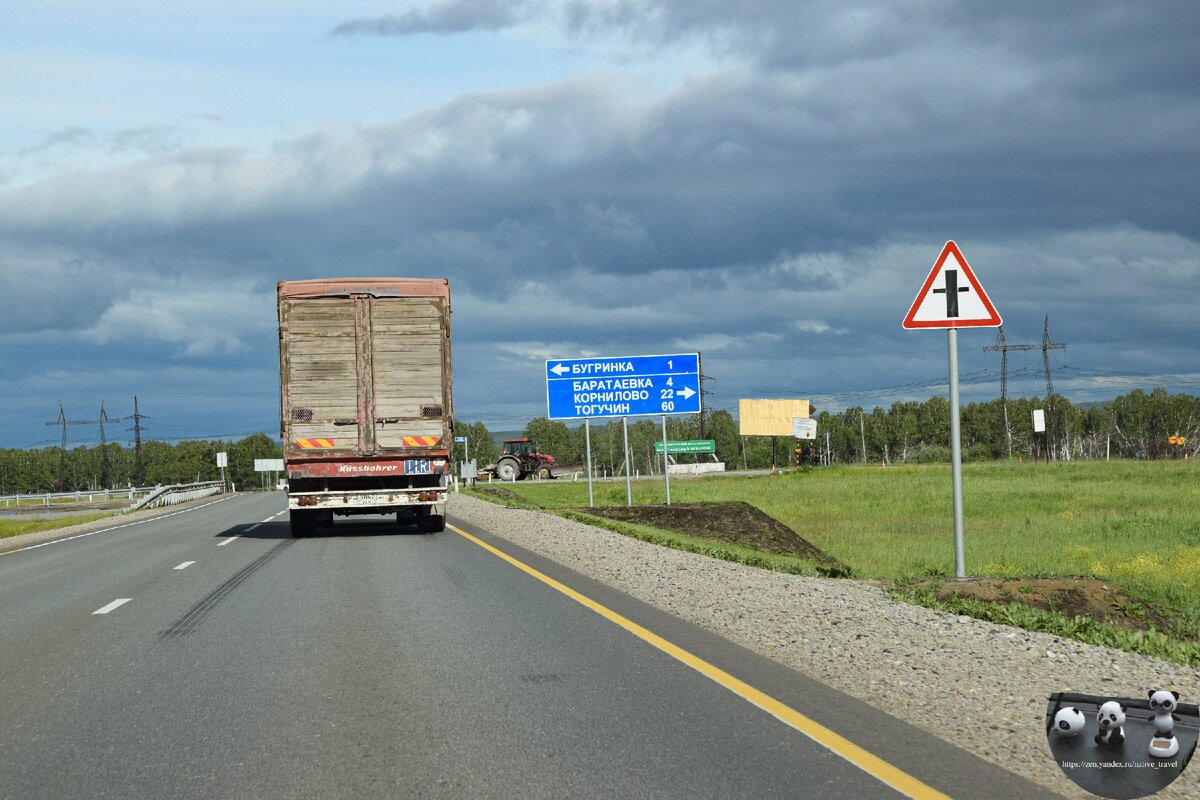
(231, 660)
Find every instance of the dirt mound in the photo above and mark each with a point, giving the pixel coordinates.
(505, 494)
(735, 522)
(1070, 597)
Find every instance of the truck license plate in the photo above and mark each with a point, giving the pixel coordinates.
(417, 466)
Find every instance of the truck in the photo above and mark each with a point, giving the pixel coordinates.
(365, 399)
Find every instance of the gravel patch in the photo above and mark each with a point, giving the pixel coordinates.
(854, 637)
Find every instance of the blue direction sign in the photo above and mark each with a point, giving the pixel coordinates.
(624, 386)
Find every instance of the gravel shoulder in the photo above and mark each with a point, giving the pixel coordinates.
(915, 663)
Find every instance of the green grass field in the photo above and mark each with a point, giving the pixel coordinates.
(1134, 523)
(16, 527)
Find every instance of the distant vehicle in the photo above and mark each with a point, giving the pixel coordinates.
(366, 410)
(521, 459)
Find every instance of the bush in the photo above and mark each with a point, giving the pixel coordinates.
(978, 452)
(931, 454)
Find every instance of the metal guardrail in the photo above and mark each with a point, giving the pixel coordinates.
(48, 499)
(178, 493)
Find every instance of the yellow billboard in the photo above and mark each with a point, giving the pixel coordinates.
(770, 417)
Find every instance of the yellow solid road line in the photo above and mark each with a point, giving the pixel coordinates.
(871, 764)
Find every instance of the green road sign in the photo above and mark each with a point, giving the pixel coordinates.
(683, 448)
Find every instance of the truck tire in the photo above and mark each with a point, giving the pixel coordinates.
(431, 523)
(507, 469)
(304, 523)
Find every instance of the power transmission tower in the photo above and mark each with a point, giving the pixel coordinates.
(104, 464)
(61, 484)
(139, 469)
(1003, 348)
(1047, 345)
(62, 459)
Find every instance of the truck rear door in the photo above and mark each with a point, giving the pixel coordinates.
(410, 351)
(364, 374)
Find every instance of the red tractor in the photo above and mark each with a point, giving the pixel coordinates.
(521, 459)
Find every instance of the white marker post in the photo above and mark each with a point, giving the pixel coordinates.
(963, 305)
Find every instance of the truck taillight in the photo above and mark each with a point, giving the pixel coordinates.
(306, 501)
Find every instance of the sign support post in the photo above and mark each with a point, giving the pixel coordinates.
(666, 463)
(960, 569)
(587, 440)
(625, 454)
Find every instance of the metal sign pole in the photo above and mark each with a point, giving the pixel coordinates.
(666, 463)
(625, 452)
(956, 455)
(587, 439)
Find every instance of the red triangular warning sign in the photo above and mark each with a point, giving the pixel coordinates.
(951, 296)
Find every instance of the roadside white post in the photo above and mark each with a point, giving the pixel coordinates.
(952, 298)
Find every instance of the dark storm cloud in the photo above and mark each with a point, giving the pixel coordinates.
(458, 16)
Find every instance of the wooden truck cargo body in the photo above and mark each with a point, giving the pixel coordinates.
(366, 404)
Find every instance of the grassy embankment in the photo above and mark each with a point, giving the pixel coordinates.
(16, 527)
(1135, 524)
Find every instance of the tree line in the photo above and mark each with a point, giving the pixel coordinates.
(84, 468)
(1135, 425)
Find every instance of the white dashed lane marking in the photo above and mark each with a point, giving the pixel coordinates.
(255, 525)
(115, 604)
(227, 541)
(185, 565)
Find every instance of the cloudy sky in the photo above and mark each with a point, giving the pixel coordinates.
(766, 182)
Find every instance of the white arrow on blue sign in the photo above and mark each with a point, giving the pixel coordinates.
(623, 386)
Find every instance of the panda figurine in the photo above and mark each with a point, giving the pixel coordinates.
(1162, 703)
(1069, 721)
(1111, 718)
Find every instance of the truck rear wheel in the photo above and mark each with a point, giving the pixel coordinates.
(431, 522)
(304, 523)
